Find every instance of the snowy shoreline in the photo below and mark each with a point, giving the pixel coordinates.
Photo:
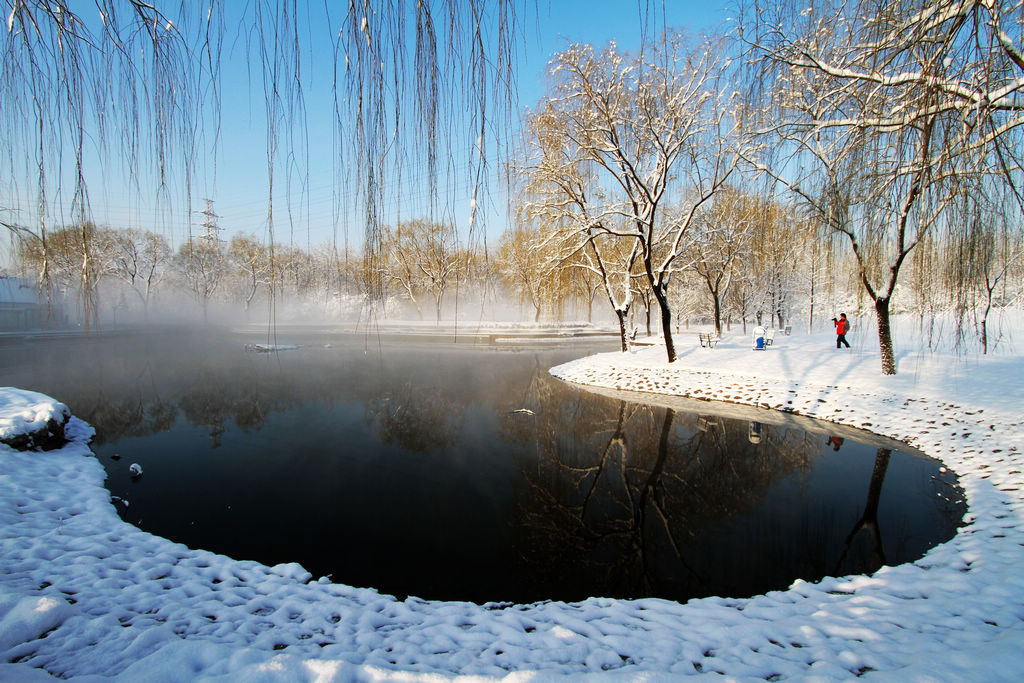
(83, 594)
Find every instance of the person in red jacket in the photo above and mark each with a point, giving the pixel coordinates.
(842, 327)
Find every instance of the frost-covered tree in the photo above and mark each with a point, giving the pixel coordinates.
(525, 267)
(398, 269)
(75, 259)
(884, 109)
(979, 259)
(658, 128)
(85, 84)
(778, 256)
(422, 257)
(440, 261)
(139, 257)
(250, 260)
(202, 265)
(719, 242)
(562, 194)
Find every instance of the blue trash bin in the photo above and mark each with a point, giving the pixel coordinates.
(759, 338)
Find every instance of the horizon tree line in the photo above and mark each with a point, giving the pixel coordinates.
(749, 261)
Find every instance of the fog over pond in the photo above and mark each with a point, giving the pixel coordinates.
(465, 471)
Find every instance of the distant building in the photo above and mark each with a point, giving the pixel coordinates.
(21, 307)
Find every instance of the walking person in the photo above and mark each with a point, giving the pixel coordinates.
(842, 327)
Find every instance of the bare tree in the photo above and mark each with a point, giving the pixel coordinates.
(615, 262)
(201, 263)
(563, 196)
(525, 267)
(439, 259)
(719, 242)
(138, 257)
(397, 264)
(75, 259)
(980, 256)
(884, 109)
(655, 129)
(778, 255)
(129, 78)
(252, 263)
(422, 257)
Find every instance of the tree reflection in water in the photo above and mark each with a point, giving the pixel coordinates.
(418, 422)
(644, 501)
(464, 473)
(628, 513)
(869, 520)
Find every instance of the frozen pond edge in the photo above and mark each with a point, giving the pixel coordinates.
(82, 593)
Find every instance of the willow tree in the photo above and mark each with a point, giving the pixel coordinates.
(885, 108)
(414, 80)
(524, 261)
(562, 196)
(415, 85)
(420, 256)
(660, 129)
(128, 78)
(720, 242)
(979, 258)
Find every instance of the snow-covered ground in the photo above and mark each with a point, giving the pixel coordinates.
(85, 596)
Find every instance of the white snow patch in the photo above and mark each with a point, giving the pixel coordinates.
(270, 348)
(25, 412)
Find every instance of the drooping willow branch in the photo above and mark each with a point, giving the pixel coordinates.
(420, 83)
(127, 81)
(419, 87)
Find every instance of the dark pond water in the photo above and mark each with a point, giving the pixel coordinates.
(411, 468)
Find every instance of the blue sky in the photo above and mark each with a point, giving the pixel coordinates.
(305, 213)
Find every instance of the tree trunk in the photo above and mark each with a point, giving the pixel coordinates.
(989, 288)
(88, 293)
(666, 322)
(810, 315)
(622, 315)
(869, 521)
(885, 336)
(718, 313)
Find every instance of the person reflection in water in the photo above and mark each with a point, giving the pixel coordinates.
(754, 432)
(835, 441)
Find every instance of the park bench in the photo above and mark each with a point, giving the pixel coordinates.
(707, 340)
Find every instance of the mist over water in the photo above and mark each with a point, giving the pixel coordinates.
(418, 466)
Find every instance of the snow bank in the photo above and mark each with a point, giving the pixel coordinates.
(29, 420)
(270, 348)
(83, 594)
